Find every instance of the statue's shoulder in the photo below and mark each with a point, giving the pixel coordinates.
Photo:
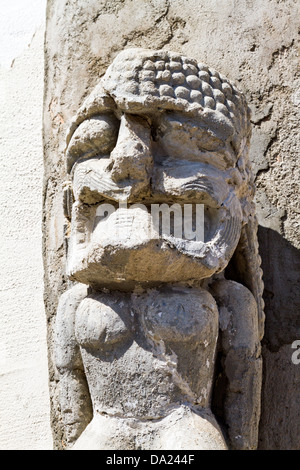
(67, 306)
(237, 314)
(66, 348)
(71, 298)
(224, 291)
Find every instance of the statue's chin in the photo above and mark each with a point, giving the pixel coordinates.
(123, 253)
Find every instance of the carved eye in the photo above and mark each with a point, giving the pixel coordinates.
(190, 138)
(96, 136)
(195, 137)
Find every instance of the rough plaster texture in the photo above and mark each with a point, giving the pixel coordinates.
(19, 21)
(24, 395)
(256, 44)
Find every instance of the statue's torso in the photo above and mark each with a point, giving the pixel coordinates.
(136, 350)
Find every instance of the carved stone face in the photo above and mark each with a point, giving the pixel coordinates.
(148, 135)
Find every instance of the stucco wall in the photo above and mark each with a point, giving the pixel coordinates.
(24, 396)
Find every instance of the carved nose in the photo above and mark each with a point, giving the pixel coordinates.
(132, 157)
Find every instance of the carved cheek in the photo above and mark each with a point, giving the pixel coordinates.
(191, 182)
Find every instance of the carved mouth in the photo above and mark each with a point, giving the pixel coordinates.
(137, 225)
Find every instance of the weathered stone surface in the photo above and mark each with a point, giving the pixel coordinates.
(142, 345)
(260, 52)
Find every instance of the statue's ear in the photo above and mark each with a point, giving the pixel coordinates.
(244, 267)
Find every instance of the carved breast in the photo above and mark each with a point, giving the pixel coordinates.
(173, 315)
(102, 322)
(179, 315)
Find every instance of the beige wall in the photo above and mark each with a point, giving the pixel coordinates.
(24, 395)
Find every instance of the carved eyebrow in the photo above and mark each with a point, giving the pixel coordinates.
(98, 102)
(79, 119)
(94, 135)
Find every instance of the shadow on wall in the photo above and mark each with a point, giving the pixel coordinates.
(281, 268)
(281, 378)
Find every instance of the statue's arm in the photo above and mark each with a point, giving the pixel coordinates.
(242, 364)
(74, 397)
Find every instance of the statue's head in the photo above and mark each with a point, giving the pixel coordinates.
(159, 128)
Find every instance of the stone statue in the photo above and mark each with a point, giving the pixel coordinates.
(158, 339)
